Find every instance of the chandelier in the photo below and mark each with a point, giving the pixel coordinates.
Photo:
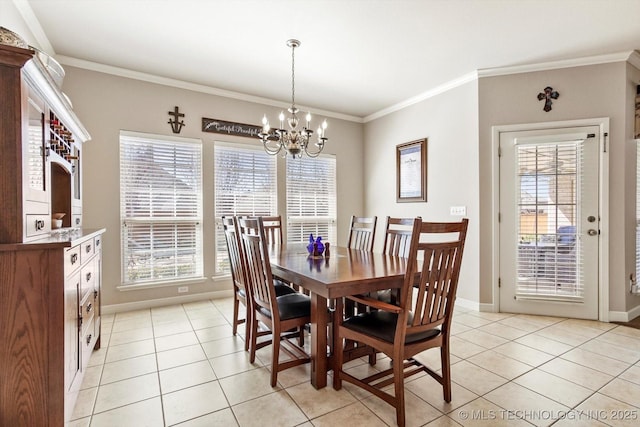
(293, 140)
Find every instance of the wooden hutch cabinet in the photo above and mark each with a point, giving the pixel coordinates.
(50, 279)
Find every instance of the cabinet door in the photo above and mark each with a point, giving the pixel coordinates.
(72, 329)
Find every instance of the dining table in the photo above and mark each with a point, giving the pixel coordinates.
(344, 272)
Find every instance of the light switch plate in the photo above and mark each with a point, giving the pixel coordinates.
(458, 210)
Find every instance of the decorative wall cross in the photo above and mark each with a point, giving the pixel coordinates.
(548, 95)
(176, 123)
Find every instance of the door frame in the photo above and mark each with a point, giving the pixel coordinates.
(603, 203)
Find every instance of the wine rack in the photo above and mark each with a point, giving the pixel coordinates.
(61, 141)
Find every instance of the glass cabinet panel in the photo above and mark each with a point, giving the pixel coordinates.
(36, 147)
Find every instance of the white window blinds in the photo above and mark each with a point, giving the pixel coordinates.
(551, 186)
(311, 198)
(160, 208)
(245, 184)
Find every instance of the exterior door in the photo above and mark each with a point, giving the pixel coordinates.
(549, 222)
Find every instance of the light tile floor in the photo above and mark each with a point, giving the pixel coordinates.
(181, 365)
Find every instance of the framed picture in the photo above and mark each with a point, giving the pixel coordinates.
(411, 171)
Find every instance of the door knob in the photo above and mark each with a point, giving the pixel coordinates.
(592, 232)
(591, 218)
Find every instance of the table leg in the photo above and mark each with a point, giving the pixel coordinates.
(319, 320)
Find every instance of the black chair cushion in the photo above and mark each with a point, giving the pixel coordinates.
(291, 306)
(282, 288)
(294, 305)
(382, 325)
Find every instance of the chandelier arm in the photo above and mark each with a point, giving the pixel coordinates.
(313, 154)
(270, 150)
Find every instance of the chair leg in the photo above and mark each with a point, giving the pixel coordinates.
(398, 380)
(446, 371)
(275, 342)
(247, 330)
(254, 338)
(236, 304)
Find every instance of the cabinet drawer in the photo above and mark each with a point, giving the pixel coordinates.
(71, 260)
(87, 279)
(87, 250)
(38, 224)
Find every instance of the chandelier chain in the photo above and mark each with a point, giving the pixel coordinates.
(293, 78)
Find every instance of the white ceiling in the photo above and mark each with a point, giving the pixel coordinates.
(357, 57)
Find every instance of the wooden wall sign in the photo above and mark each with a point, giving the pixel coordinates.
(230, 128)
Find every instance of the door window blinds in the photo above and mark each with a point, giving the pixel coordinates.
(549, 262)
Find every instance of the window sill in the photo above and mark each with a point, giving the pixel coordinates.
(151, 285)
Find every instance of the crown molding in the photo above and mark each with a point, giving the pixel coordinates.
(555, 65)
(25, 10)
(165, 81)
(451, 84)
(634, 59)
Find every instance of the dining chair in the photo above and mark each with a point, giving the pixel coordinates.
(273, 229)
(280, 314)
(362, 233)
(397, 236)
(238, 266)
(420, 321)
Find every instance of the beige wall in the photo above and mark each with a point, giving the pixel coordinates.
(450, 122)
(585, 92)
(631, 81)
(107, 104)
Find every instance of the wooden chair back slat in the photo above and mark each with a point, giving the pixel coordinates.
(397, 238)
(362, 233)
(236, 256)
(272, 229)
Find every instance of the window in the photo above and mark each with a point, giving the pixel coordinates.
(245, 184)
(311, 198)
(160, 209)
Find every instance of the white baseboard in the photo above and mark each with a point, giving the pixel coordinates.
(624, 316)
(141, 305)
(468, 304)
(488, 308)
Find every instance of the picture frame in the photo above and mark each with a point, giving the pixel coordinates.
(411, 171)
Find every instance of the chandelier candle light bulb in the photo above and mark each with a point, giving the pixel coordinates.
(293, 140)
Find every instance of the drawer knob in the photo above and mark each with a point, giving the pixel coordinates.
(89, 307)
(89, 339)
(74, 258)
(88, 249)
(39, 224)
(88, 276)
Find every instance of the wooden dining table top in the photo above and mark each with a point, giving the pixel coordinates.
(345, 272)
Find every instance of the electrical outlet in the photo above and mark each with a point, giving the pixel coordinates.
(183, 289)
(458, 210)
